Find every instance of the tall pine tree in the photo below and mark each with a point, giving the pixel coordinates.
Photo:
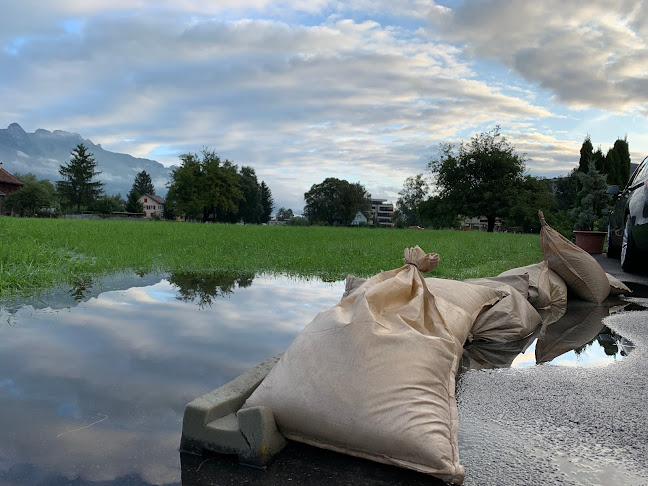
(78, 187)
(622, 148)
(267, 202)
(142, 185)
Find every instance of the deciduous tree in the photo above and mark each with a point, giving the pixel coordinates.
(33, 195)
(336, 201)
(205, 187)
(411, 196)
(284, 214)
(482, 178)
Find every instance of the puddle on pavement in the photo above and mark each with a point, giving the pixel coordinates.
(579, 338)
(94, 379)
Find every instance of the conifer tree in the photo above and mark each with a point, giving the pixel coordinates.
(78, 187)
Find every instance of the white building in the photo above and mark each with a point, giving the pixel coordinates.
(359, 218)
(153, 205)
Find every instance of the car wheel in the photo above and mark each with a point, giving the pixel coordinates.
(612, 251)
(628, 249)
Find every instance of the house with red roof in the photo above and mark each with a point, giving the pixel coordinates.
(8, 184)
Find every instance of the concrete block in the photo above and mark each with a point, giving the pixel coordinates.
(214, 422)
(260, 431)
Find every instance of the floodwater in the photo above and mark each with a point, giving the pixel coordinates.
(94, 379)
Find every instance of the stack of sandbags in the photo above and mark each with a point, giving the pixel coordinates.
(580, 271)
(547, 290)
(374, 376)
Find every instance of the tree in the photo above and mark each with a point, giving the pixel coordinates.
(437, 213)
(267, 202)
(622, 148)
(586, 153)
(78, 187)
(33, 195)
(593, 202)
(482, 179)
(184, 188)
(250, 207)
(108, 204)
(141, 185)
(205, 187)
(133, 204)
(411, 196)
(284, 214)
(613, 166)
(336, 201)
(534, 194)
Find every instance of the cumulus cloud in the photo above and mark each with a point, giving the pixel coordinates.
(305, 90)
(588, 54)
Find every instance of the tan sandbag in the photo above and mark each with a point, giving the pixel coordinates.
(545, 285)
(617, 287)
(374, 376)
(518, 282)
(510, 319)
(539, 283)
(473, 299)
(580, 271)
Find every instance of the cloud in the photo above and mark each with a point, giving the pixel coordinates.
(588, 54)
(343, 98)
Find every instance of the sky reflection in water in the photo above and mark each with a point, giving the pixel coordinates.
(137, 357)
(96, 390)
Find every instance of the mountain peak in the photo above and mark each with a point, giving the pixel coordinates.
(16, 130)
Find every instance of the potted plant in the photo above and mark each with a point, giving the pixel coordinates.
(591, 206)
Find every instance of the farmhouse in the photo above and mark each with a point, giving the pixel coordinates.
(153, 205)
(8, 184)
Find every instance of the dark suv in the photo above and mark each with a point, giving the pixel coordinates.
(628, 224)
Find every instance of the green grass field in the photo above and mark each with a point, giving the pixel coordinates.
(37, 254)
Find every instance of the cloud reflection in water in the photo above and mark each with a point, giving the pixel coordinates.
(137, 356)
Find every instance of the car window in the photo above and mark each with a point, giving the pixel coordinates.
(641, 174)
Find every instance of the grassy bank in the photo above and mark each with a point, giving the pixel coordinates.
(36, 254)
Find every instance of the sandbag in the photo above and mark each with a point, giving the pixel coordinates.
(580, 271)
(374, 376)
(473, 299)
(518, 282)
(547, 290)
(510, 319)
(617, 287)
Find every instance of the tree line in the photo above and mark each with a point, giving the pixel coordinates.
(203, 188)
(485, 177)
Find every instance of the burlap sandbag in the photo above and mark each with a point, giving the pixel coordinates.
(510, 319)
(547, 290)
(617, 287)
(580, 271)
(474, 299)
(374, 376)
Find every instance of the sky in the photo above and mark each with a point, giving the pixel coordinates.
(301, 90)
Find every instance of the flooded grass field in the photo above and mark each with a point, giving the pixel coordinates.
(94, 379)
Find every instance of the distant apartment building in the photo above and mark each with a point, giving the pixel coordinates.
(153, 205)
(382, 212)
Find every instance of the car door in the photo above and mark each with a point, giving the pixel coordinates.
(638, 205)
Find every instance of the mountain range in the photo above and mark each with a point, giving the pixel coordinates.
(43, 152)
